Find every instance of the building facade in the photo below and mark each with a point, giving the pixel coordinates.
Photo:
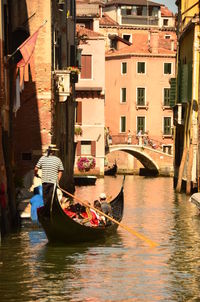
(37, 92)
(90, 89)
(141, 50)
(185, 97)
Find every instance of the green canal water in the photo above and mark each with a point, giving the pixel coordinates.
(120, 268)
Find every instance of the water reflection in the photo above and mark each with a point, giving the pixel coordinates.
(120, 268)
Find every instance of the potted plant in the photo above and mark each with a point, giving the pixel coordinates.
(74, 72)
(84, 164)
(78, 130)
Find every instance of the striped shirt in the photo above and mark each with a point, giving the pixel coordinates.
(50, 166)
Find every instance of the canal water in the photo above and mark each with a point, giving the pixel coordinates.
(120, 268)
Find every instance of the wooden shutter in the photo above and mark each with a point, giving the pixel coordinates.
(93, 148)
(172, 93)
(86, 67)
(78, 148)
(79, 113)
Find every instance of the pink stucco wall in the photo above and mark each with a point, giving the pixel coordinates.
(96, 48)
(93, 103)
(154, 81)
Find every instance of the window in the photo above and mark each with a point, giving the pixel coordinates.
(141, 123)
(86, 67)
(167, 36)
(122, 124)
(167, 68)
(127, 37)
(140, 67)
(165, 22)
(141, 96)
(113, 43)
(167, 149)
(167, 126)
(78, 113)
(123, 95)
(124, 67)
(86, 148)
(166, 101)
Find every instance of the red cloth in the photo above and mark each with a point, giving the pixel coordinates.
(94, 220)
(70, 213)
(27, 49)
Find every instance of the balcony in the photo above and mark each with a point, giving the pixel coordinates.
(139, 20)
(87, 10)
(62, 84)
(142, 106)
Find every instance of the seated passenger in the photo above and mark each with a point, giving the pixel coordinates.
(106, 207)
(100, 217)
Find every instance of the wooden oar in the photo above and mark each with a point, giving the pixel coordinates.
(142, 237)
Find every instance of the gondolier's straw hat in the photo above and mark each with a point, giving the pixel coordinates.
(53, 147)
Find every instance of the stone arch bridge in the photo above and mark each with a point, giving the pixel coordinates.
(151, 159)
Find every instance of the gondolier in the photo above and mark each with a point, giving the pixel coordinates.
(52, 170)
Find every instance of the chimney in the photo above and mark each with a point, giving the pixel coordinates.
(154, 41)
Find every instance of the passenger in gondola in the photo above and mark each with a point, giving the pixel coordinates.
(105, 206)
(90, 217)
(101, 218)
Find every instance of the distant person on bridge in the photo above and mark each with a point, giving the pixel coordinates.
(145, 139)
(139, 135)
(129, 138)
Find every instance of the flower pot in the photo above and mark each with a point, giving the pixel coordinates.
(74, 77)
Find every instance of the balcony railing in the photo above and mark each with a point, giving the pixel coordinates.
(139, 20)
(87, 10)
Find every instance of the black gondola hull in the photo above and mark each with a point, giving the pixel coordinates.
(59, 227)
(111, 171)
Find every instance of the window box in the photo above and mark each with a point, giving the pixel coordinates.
(73, 77)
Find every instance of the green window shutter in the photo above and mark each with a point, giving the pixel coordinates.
(166, 97)
(141, 124)
(184, 83)
(167, 125)
(123, 97)
(141, 67)
(172, 93)
(124, 67)
(141, 96)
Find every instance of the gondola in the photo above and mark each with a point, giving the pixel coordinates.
(85, 180)
(111, 171)
(59, 227)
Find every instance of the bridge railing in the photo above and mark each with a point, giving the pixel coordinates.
(143, 140)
